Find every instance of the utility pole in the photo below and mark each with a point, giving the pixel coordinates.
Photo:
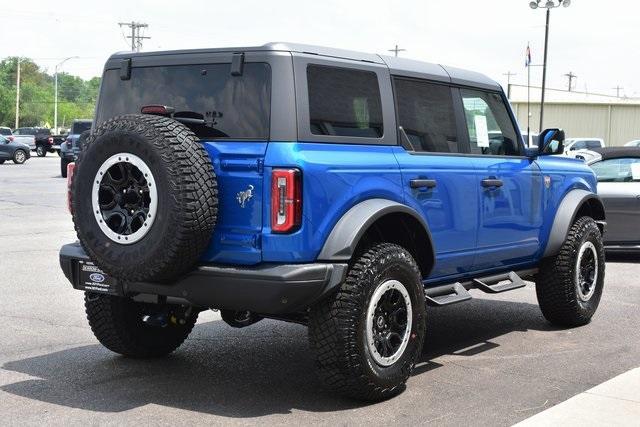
(18, 94)
(136, 37)
(618, 89)
(570, 76)
(396, 50)
(509, 74)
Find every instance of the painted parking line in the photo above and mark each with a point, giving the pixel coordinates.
(613, 403)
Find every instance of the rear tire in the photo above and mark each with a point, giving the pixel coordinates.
(63, 167)
(19, 157)
(41, 151)
(1, 162)
(569, 285)
(117, 323)
(365, 340)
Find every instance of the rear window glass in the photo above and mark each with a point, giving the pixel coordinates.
(231, 106)
(5, 131)
(344, 102)
(79, 127)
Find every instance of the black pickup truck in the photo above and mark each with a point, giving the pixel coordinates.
(44, 139)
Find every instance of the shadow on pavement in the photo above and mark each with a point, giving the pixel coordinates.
(264, 369)
(624, 257)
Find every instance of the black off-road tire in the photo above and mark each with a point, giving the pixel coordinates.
(117, 323)
(187, 202)
(556, 286)
(337, 327)
(41, 150)
(63, 167)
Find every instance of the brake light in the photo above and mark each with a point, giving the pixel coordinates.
(50, 141)
(10, 138)
(160, 110)
(286, 200)
(71, 167)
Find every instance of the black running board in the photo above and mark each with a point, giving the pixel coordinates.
(459, 292)
(446, 295)
(498, 284)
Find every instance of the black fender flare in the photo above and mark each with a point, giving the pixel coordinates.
(345, 235)
(569, 207)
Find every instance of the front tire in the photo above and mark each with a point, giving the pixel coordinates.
(41, 151)
(569, 285)
(117, 323)
(19, 157)
(368, 335)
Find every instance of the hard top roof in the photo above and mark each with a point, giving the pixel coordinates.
(399, 66)
(617, 152)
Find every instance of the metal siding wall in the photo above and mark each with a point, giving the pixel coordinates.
(616, 123)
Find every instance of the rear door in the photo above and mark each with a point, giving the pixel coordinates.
(619, 189)
(228, 108)
(510, 185)
(437, 180)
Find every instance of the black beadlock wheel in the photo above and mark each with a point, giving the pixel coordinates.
(144, 198)
(368, 335)
(118, 324)
(569, 285)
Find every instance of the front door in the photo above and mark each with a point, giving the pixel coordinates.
(437, 180)
(510, 185)
(619, 189)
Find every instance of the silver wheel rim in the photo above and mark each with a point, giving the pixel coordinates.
(127, 221)
(586, 271)
(375, 323)
(20, 157)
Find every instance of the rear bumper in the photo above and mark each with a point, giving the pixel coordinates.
(266, 289)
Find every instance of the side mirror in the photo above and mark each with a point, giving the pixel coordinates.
(551, 142)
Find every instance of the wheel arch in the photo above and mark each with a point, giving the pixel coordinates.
(575, 204)
(376, 220)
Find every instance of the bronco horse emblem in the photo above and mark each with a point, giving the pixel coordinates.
(244, 196)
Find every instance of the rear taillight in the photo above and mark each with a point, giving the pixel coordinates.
(50, 141)
(286, 200)
(10, 138)
(71, 167)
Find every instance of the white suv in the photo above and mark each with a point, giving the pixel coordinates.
(573, 144)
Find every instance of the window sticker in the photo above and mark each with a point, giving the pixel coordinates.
(635, 171)
(482, 132)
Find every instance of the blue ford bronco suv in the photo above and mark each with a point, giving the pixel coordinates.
(345, 191)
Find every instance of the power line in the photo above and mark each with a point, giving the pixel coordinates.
(136, 37)
(618, 89)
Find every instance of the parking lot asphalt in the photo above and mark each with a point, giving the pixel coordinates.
(491, 361)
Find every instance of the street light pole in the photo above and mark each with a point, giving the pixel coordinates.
(55, 93)
(548, 4)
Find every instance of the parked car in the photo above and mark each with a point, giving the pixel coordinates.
(44, 140)
(12, 150)
(531, 141)
(28, 140)
(573, 144)
(345, 191)
(618, 173)
(71, 147)
(634, 143)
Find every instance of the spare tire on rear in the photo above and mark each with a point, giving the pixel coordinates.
(144, 198)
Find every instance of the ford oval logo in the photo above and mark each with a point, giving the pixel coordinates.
(96, 277)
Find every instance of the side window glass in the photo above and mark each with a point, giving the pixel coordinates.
(425, 112)
(344, 102)
(617, 170)
(491, 131)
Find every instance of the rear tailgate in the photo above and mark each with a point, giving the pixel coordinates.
(239, 170)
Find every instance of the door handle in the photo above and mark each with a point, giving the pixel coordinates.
(492, 182)
(422, 183)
